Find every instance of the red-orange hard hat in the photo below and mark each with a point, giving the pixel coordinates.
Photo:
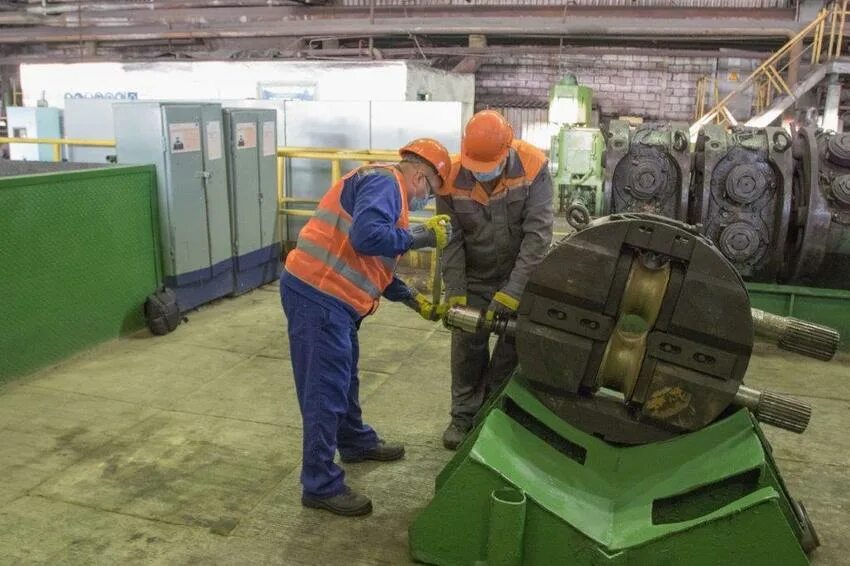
(486, 141)
(433, 152)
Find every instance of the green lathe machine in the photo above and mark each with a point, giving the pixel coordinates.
(626, 435)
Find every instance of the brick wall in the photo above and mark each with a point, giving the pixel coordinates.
(654, 87)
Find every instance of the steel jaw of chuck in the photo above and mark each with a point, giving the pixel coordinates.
(637, 329)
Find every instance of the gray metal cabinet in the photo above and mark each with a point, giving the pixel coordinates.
(185, 142)
(251, 144)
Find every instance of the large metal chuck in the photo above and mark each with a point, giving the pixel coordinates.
(819, 237)
(648, 170)
(636, 329)
(742, 195)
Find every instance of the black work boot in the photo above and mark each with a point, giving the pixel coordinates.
(383, 452)
(454, 435)
(348, 503)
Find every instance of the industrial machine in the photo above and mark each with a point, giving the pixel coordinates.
(627, 434)
(251, 136)
(647, 170)
(819, 246)
(742, 195)
(576, 153)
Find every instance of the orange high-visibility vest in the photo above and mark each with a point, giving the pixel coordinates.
(531, 161)
(325, 259)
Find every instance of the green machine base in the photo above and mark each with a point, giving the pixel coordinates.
(526, 487)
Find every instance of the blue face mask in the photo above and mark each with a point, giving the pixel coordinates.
(489, 175)
(420, 203)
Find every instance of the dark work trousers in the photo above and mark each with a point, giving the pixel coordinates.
(324, 351)
(476, 374)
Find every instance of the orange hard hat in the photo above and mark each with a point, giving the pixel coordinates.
(486, 141)
(433, 152)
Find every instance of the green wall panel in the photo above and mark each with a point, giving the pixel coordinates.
(78, 256)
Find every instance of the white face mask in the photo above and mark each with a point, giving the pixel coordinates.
(489, 175)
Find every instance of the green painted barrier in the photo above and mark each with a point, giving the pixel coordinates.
(78, 255)
(830, 307)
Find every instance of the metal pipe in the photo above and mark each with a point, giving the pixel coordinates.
(506, 527)
(469, 319)
(61, 141)
(795, 335)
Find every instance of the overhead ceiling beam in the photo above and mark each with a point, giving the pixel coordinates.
(261, 50)
(720, 30)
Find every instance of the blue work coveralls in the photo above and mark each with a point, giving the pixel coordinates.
(323, 337)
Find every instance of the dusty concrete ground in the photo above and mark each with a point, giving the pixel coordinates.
(185, 449)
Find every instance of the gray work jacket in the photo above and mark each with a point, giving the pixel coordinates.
(497, 239)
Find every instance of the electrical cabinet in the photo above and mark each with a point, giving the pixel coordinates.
(251, 148)
(185, 142)
(33, 122)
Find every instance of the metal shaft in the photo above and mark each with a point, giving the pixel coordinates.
(469, 319)
(795, 335)
(777, 410)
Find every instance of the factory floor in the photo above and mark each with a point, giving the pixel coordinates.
(185, 449)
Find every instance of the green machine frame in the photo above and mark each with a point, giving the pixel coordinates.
(528, 488)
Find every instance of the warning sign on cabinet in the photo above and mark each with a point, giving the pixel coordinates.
(214, 140)
(246, 135)
(269, 141)
(184, 137)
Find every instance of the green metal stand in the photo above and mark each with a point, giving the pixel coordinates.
(528, 488)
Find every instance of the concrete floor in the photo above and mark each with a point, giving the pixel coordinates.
(185, 449)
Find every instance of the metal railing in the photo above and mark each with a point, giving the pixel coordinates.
(826, 30)
(57, 143)
(334, 155)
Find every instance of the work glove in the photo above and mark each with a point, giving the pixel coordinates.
(456, 300)
(397, 291)
(426, 308)
(502, 304)
(433, 233)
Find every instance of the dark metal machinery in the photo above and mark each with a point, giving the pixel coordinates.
(819, 238)
(742, 195)
(647, 170)
(637, 329)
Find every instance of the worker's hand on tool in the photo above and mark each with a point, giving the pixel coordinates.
(433, 233)
(502, 303)
(425, 308)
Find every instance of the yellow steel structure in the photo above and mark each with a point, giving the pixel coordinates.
(334, 155)
(57, 143)
(767, 79)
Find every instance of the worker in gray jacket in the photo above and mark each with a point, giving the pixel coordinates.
(499, 198)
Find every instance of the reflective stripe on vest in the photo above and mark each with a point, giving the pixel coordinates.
(335, 263)
(325, 259)
(344, 225)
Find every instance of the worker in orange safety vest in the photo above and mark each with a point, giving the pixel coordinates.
(343, 263)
